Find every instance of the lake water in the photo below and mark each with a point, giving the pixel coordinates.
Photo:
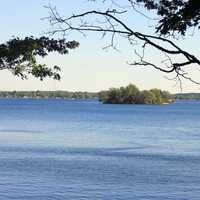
(83, 150)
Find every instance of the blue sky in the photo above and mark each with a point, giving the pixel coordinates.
(88, 68)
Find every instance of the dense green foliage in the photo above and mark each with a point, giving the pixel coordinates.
(188, 96)
(19, 56)
(174, 15)
(47, 94)
(132, 95)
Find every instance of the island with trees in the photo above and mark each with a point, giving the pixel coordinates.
(132, 95)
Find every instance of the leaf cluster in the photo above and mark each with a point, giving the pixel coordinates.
(175, 15)
(19, 56)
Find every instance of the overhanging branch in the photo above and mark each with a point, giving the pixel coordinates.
(114, 25)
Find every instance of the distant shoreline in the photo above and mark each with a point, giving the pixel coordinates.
(74, 95)
(48, 94)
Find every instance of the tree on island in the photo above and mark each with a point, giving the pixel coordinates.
(132, 95)
(19, 56)
(146, 97)
(173, 17)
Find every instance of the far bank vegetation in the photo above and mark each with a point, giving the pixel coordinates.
(132, 95)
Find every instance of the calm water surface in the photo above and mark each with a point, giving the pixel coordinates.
(83, 150)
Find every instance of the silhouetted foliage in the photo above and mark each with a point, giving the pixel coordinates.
(131, 95)
(175, 15)
(19, 56)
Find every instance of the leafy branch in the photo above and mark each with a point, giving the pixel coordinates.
(19, 56)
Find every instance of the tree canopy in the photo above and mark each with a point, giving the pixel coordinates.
(173, 17)
(19, 56)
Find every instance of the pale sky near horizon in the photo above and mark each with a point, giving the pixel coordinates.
(89, 67)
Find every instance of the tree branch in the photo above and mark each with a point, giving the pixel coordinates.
(115, 26)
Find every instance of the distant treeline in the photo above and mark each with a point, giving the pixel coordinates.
(132, 95)
(188, 96)
(129, 95)
(48, 94)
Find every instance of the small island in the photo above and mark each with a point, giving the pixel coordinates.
(132, 95)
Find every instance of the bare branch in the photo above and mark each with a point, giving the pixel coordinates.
(114, 25)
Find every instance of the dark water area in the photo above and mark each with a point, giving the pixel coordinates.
(53, 149)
